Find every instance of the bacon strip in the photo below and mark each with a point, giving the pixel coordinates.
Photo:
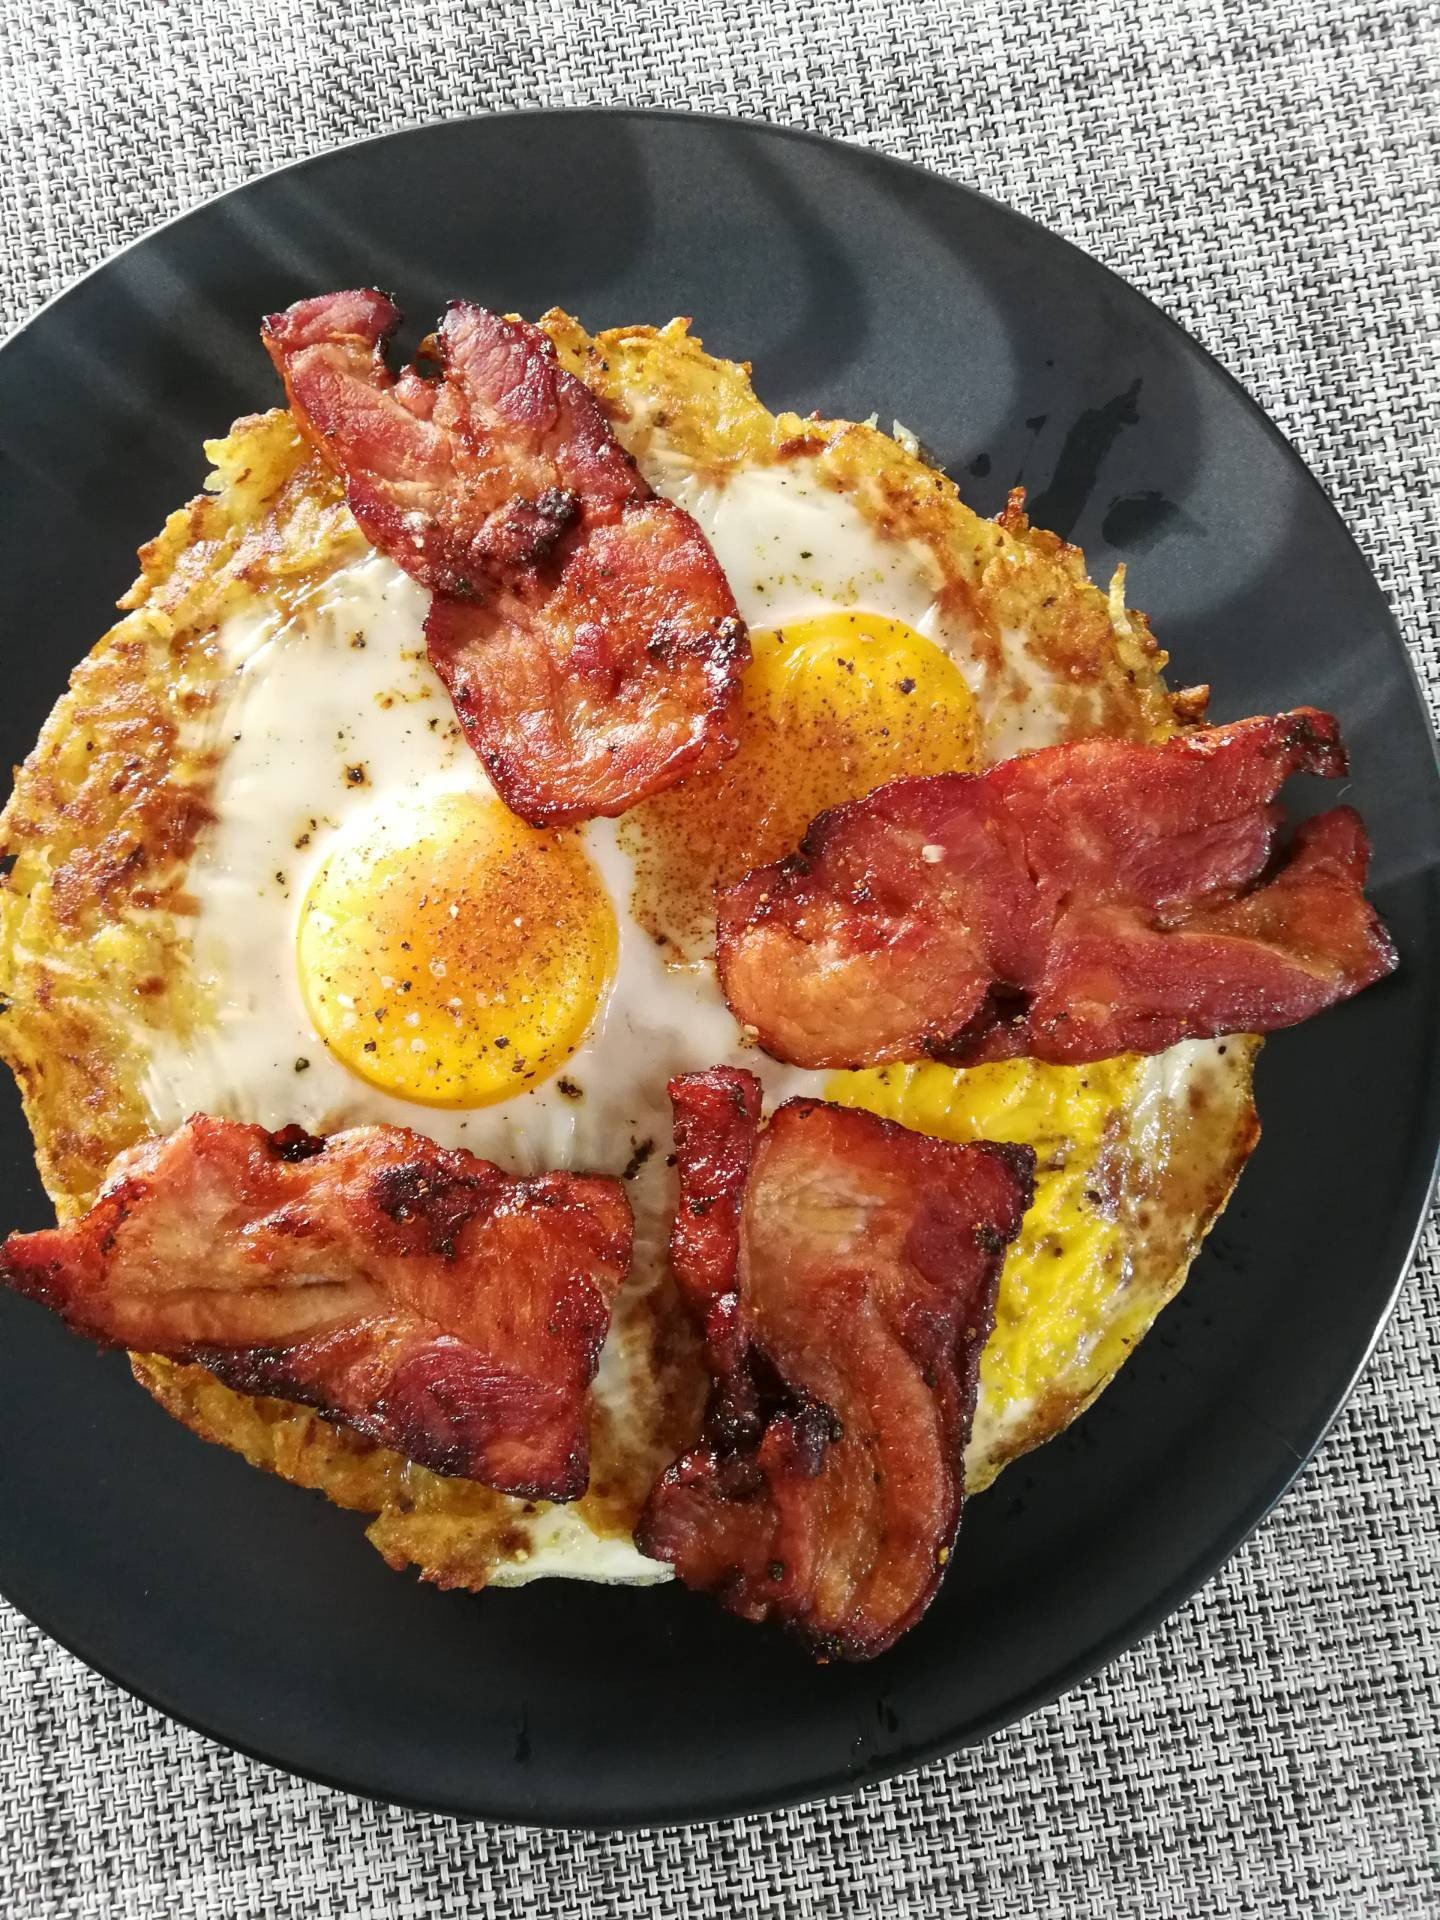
(420, 1296)
(1071, 904)
(581, 624)
(845, 1272)
(717, 1124)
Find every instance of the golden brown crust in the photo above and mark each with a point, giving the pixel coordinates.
(661, 387)
(105, 810)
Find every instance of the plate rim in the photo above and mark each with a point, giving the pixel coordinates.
(1141, 1623)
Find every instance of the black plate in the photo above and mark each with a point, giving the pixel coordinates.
(258, 1613)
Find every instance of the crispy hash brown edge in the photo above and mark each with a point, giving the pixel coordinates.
(106, 809)
(662, 390)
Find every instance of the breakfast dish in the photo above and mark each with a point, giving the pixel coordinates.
(362, 930)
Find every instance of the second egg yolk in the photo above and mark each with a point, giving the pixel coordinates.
(831, 707)
(452, 955)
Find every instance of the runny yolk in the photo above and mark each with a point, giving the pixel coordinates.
(831, 707)
(452, 955)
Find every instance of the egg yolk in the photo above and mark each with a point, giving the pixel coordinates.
(1057, 1309)
(831, 707)
(452, 955)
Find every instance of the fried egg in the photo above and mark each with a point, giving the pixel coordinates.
(344, 925)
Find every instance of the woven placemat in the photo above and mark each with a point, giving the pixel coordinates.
(1267, 173)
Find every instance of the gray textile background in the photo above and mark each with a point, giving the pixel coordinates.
(1266, 172)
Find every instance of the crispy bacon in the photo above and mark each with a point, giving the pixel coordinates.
(420, 1296)
(845, 1271)
(1071, 904)
(581, 624)
(717, 1120)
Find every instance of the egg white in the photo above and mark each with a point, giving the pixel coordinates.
(301, 710)
(340, 681)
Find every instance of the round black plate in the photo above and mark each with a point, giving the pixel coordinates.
(258, 1613)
